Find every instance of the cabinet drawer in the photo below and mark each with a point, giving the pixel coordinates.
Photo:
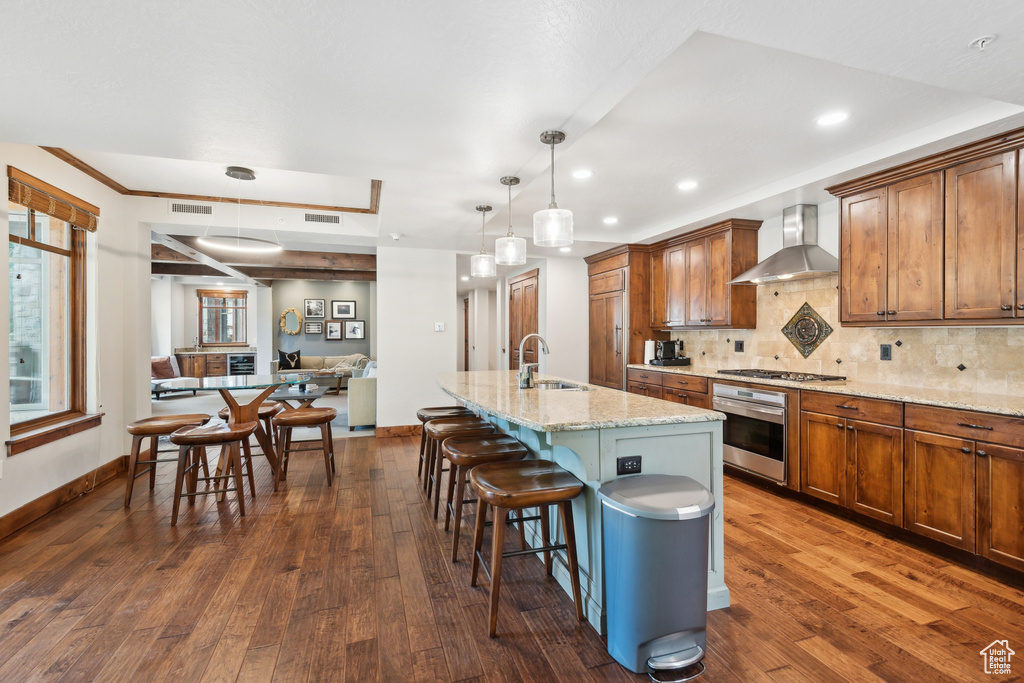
(646, 376)
(690, 398)
(967, 424)
(651, 390)
(612, 281)
(685, 382)
(216, 365)
(840, 405)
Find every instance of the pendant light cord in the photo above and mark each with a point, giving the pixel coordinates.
(483, 219)
(552, 205)
(510, 233)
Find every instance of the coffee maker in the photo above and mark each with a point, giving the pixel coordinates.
(669, 353)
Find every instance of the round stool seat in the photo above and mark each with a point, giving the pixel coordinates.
(524, 484)
(427, 414)
(265, 411)
(211, 435)
(158, 425)
(472, 451)
(439, 430)
(305, 417)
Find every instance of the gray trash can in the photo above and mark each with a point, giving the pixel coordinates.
(656, 530)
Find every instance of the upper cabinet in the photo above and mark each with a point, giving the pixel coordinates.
(690, 275)
(937, 241)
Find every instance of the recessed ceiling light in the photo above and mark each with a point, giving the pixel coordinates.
(610, 220)
(687, 185)
(565, 249)
(465, 278)
(582, 174)
(832, 118)
(220, 284)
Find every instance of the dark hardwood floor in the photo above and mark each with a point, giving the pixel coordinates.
(353, 583)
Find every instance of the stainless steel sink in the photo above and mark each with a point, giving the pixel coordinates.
(552, 384)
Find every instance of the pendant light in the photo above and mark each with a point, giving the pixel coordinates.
(552, 227)
(510, 250)
(482, 264)
(237, 243)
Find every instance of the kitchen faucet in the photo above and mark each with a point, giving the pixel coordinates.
(526, 369)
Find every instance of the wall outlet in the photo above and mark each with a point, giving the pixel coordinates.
(885, 351)
(738, 346)
(628, 465)
(438, 327)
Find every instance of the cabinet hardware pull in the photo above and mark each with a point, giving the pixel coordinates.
(891, 312)
(982, 453)
(879, 312)
(618, 332)
(838, 405)
(839, 425)
(1006, 307)
(965, 449)
(1020, 307)
(972, 426)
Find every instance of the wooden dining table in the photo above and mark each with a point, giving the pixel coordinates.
(246, 412)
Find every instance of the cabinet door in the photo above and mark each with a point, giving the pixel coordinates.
(1000, 472)
(863, 235)
(914, 289)
(696, 278)
(938, 493)
(981, 238)
(823, 457)
(676, 284)
(719, 272)
(874, 455)
(659, 290)
(606, 359)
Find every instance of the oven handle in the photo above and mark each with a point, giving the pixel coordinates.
(769, 414)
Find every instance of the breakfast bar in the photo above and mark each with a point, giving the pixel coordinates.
(586, 429)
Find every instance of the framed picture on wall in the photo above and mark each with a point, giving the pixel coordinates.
(343, 310)
(314, 328)
(355, 329)
(315, 308)
(333, 330)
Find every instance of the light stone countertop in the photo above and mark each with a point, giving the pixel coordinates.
(189, 350)
(497, 392)
(944, 398)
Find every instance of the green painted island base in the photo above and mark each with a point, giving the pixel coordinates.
(692, 449)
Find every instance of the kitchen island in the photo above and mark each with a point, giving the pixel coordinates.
(586, 431)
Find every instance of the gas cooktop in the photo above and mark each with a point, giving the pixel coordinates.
(782, 374)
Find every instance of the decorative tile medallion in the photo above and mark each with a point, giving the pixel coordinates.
(806, 330)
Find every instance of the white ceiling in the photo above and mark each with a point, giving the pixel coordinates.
(440, 99)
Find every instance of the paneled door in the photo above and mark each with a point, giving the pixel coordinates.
(606, 359)
(522, 317)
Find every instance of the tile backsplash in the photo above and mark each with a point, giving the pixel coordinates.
(993, 357)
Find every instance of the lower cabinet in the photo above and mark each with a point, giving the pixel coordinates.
(689, 390)
(651, 390)
(203, 364)
(939, 495)
(999, 475)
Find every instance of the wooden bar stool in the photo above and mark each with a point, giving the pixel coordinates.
(153, 428)
(513, 486)
(465, 453)
(437, 412)
(266, 411)
(287, 420)
(230, 439)
(437, 432)
(431, 451)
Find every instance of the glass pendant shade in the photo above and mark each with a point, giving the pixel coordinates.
(510, 251)
(482, 265)
(552, 228)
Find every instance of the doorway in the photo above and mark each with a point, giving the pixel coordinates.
(523, 300)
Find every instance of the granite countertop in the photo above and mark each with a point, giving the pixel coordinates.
(215, 349)
(497, 392)
(944, 398)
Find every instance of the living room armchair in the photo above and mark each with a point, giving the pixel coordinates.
(362, 398)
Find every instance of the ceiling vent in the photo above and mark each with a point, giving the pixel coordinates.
(192, 209)
(322, 218)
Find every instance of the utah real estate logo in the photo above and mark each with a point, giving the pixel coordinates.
(997, 657)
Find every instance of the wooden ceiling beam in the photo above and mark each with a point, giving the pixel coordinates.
(306, 274)
(186, 269)
(161, 253)
(202, 258)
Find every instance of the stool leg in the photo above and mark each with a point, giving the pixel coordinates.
(478, 537)
(569, 529)
(460, 492)
(451, 494)
(282, 453)
(205, 462)
(428, 466)
(438, 469)
(423, 452)
(154, 443)
(545, 536)
(178, 479)
(327, 450)
(330, 439)
(497, 548)
(192, 474)
(133, 463)
(236, 462)
(247, 450)
(522, 528)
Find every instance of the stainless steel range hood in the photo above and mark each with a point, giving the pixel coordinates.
(800, 256)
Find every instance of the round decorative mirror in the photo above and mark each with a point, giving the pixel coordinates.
(291, 321)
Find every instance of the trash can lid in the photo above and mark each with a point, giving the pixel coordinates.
(658, 496)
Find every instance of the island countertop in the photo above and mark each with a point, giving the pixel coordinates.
(497, 392)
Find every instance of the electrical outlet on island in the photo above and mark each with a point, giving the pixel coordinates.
(627, 465)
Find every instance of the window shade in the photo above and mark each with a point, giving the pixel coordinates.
(29, 191)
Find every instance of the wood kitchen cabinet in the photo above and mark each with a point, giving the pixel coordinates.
(999, 473)
(939, 488)
(606, 360)
(668, 287)
(851, 453)
(689, 390)
(202, 364)
(644, 382)
(892, 252)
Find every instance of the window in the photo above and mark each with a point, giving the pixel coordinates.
(221, 317)
(46, 290)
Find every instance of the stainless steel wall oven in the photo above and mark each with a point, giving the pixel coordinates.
(754, 435)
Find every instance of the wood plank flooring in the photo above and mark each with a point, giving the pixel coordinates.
(352, 583)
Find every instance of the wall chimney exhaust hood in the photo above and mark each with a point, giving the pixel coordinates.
(800, 256)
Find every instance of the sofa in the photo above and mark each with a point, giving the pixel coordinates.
(331, 371)
(163, 369)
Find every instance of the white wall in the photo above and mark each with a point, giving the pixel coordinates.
(415, 289)
(162, 343)
(118, 337)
